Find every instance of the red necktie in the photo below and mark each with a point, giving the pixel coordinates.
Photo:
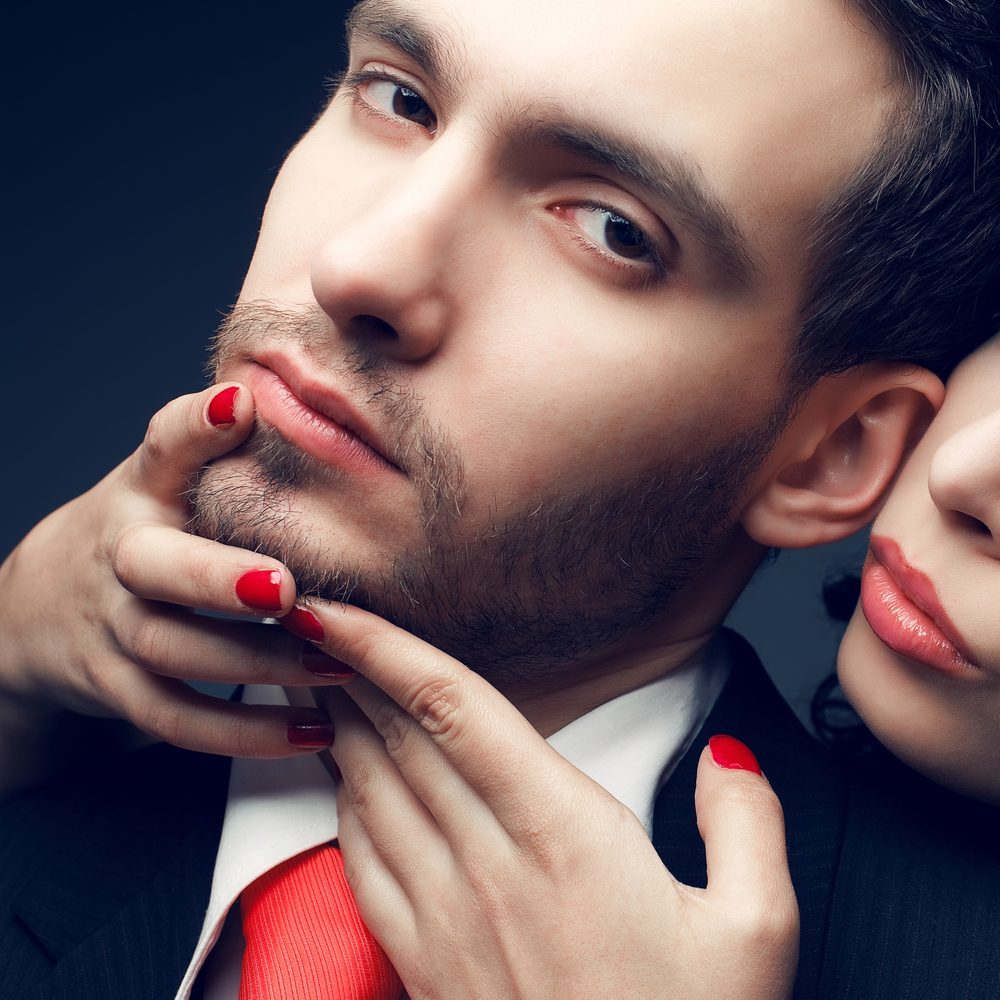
(305, 939)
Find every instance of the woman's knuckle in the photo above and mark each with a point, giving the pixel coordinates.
(146, 645)
(244, 737)
(750, 794)
(154, 441)
(362, 784)
(92, 671)
(767, 922)
(260, 667)
(391, 726)
(355, 648)
(353, 873)
(124, 554)
(203, 578)
(435, 706)
(163, 718)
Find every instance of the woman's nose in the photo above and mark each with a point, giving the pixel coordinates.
(964, 477)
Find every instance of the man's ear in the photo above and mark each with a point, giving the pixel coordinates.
(834, 462)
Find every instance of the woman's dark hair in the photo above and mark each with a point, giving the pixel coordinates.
(835, 721)
(905, 262)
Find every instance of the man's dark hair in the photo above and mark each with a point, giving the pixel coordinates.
(905, 263)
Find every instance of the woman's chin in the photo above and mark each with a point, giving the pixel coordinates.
(930, 728)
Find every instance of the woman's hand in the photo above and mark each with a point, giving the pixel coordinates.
(94, 608)
(488, 866)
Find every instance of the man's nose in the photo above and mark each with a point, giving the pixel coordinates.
(390, 274)
(964, 480)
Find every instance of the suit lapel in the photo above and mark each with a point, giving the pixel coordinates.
(117, 904)
(915, 914)
(804, 775)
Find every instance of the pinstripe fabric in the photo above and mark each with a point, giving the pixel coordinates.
(104, 879)
(918, 857)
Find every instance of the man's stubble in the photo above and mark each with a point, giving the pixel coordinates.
(563, 575)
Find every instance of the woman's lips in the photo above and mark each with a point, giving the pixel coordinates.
(315, 433)
(903, 610)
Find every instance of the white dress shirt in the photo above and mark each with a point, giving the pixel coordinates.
(279, 808)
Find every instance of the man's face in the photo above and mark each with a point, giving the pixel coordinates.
(547, 260)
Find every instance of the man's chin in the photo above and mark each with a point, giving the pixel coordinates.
(329, 553)
(237, 503)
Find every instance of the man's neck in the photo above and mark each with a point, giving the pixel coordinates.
(553, 702)
(680, 633)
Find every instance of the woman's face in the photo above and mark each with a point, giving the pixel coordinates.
(921, 657)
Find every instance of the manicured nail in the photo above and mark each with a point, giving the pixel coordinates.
(729, 752)
(260, 590)
(304, 624)
(325, 666)
(310, 735)
(222, 409)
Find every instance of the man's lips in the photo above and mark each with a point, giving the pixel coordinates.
(903, 610)
(314, 417)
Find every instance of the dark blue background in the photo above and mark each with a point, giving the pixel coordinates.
(140, 142)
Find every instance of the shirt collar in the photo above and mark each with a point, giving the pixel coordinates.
(629, 745)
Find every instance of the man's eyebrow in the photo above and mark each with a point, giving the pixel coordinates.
(392, 23)
(668, 177)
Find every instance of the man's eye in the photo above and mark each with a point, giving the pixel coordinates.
(615, 233)
(396, 100)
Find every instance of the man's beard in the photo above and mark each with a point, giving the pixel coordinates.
(534, 590)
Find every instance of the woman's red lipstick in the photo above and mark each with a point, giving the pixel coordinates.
(903, 610)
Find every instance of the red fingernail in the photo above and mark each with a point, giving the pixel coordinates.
(310, 735)
(260, 589)
(324, 666)
(729, 752)
(304, 624)
(222, 409)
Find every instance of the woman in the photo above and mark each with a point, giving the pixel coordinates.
(920, 660)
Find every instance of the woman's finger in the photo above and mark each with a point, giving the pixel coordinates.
(186, 434)
(388, 909)
(175, 642)
(173, 712)
(741, 822)
(455, 808)
(484, 738)
(162, 563)
(398, 827)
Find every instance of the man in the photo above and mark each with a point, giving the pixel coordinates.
(547, 330)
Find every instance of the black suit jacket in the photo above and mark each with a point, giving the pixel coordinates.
(104, 878)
